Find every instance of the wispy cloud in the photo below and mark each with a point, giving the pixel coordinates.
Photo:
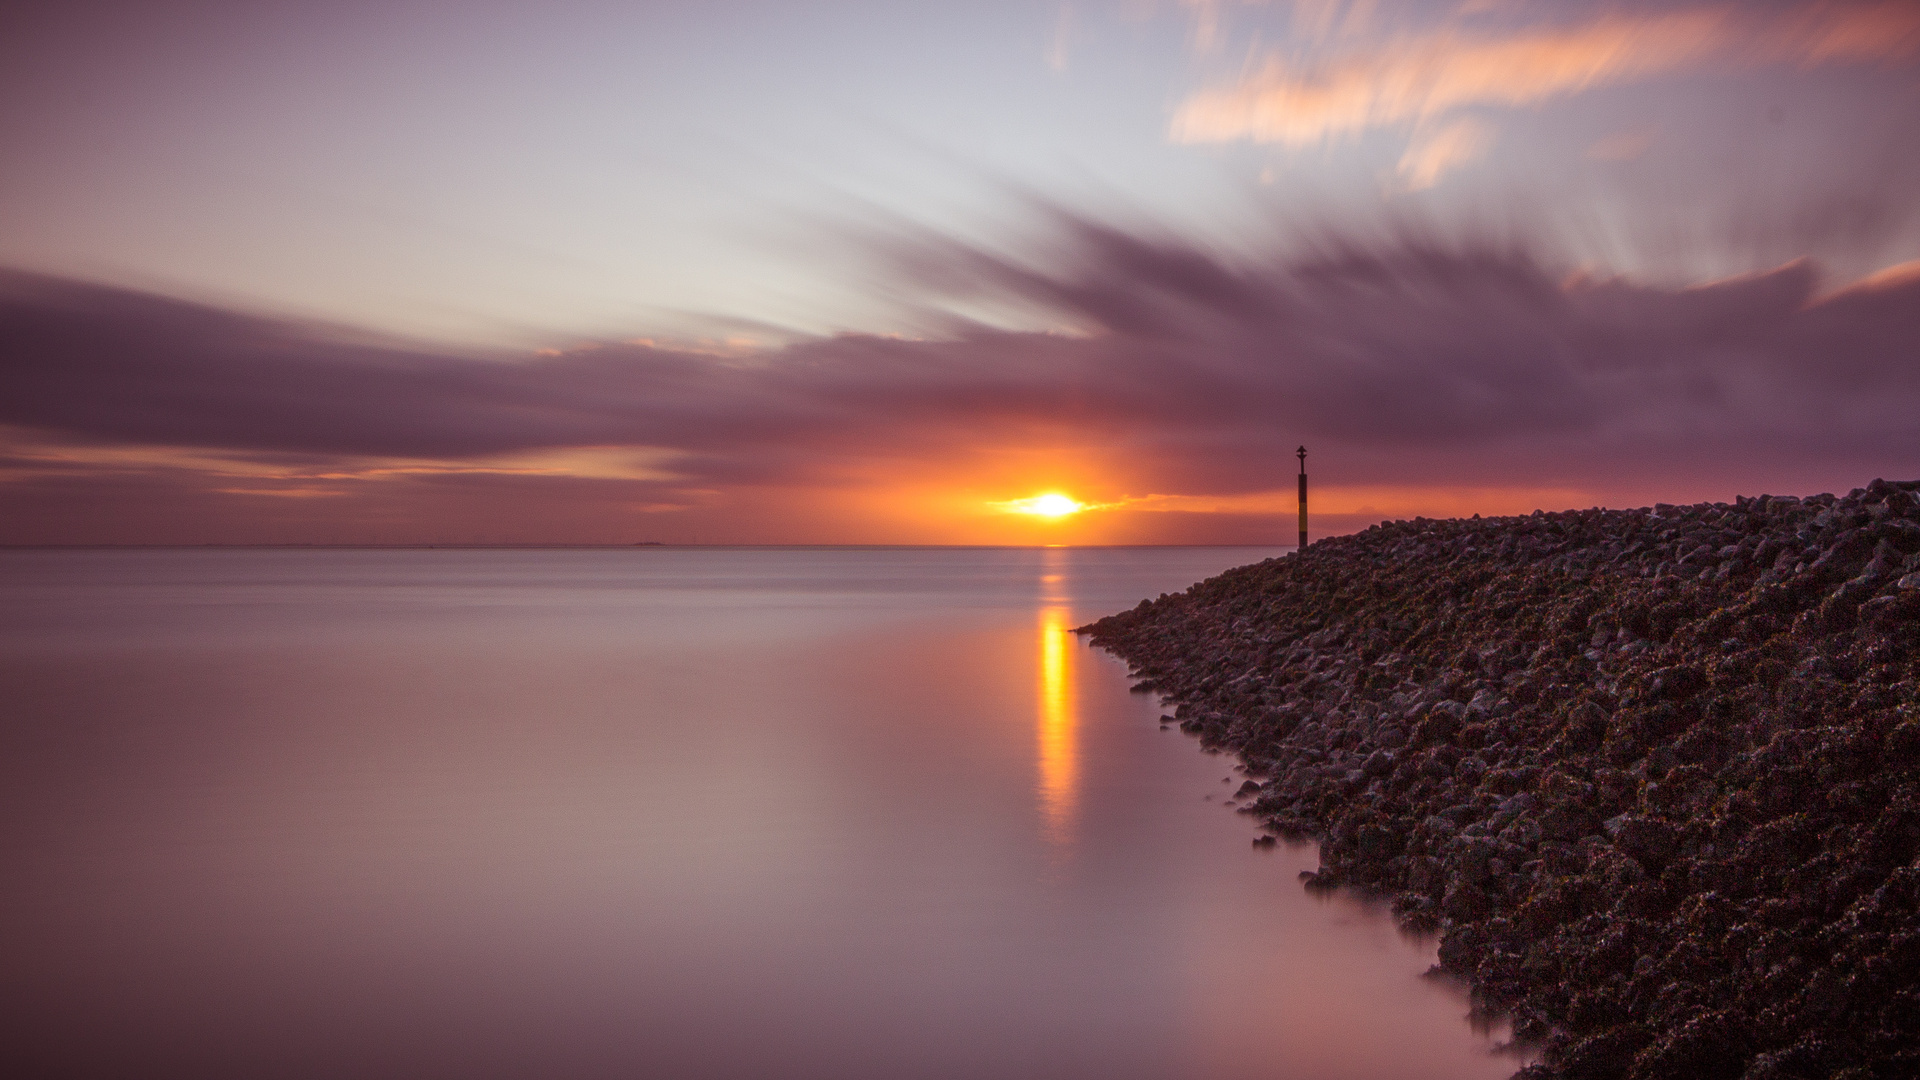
(1827, 32)
(1412, 78)
(1057, 56)
(1436, 152)
(1417, 78)
(1206, 24)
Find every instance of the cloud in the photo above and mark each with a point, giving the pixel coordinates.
(1828, 32)
(1413, 78)
(1439, 151)
(1206, 24)
(1899, 276)
(1407, 362)
(1056, 55)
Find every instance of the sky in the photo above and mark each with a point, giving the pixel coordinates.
(857, 272)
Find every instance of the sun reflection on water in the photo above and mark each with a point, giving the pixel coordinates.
(1058, 720)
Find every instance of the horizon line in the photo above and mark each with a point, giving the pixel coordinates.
(599, 547)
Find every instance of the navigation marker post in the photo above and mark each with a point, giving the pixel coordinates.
(1303, 498)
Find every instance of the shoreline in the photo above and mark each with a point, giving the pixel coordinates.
(1654, 775)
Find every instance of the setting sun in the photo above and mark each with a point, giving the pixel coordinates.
(1052, 504)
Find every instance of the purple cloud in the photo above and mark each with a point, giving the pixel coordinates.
(1408, 361)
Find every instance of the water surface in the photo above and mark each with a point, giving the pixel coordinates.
(782, 813)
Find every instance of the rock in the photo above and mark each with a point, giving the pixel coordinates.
(1650, 772)
(1677, 683)
(1464, 902)
(1320, 881)
(1649, 842)
(1566, 823)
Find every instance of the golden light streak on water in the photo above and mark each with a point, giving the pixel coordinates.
(1058, 726)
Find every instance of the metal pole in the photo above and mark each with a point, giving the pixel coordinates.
(1303, 498)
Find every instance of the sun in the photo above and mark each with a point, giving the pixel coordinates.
(1051, 505)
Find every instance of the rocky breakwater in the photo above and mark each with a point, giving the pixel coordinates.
(1654, 775)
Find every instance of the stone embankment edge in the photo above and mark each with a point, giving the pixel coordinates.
(1653, 774)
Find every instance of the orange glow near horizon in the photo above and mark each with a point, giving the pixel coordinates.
(1057, 727)
(961, 506)
(993, 495)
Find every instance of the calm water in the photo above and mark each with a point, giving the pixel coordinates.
(649, 813)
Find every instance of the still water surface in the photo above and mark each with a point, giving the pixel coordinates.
(780, 813)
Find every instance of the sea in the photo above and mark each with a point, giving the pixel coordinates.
(782, 813)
